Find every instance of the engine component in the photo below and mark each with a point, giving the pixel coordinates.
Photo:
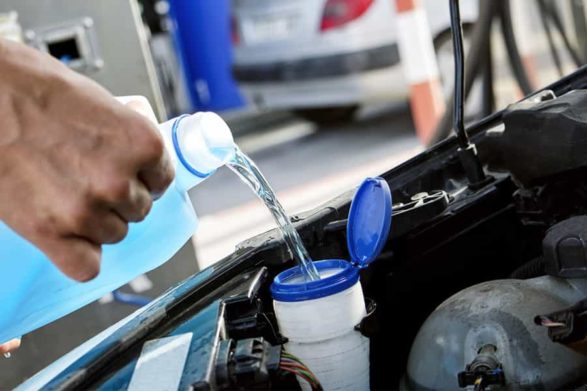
(544, 139)
(485, 370)
(498, 313)
(531, 269)
(246, 363)
(410, 214)
(565, 248)
(568, 326)
(564, 251)
(422, 207)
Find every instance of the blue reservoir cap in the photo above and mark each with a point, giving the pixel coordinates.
(336, 275)
(369, 221)
(367, 230)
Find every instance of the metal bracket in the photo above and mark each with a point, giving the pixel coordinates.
(73, 43)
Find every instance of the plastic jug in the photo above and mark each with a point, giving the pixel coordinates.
(33, 292)
(319, 317)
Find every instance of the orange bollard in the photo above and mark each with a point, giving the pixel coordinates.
(418, 60)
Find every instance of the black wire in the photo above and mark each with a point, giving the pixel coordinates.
(274, 332)
(546, 26)
(467, 152)
(459, 91)
(476, 57)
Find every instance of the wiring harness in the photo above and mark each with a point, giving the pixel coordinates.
(292, 364)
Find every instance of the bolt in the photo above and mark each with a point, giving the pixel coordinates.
(419, 196)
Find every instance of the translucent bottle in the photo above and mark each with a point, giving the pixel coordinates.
(33, 292)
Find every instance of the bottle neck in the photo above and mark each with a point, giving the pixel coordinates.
(201, 171)
(199, 143)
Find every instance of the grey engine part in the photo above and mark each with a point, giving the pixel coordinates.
(493, 324)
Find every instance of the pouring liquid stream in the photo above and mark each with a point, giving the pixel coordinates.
(249, 173)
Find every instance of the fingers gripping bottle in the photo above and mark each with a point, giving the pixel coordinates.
(33, 292)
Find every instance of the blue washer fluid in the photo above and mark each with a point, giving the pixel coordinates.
(33, 292)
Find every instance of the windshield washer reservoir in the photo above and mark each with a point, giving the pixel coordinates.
(319, 317)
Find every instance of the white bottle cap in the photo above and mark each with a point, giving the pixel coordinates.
(205, 142)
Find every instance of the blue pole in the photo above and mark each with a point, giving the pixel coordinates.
(202, 34)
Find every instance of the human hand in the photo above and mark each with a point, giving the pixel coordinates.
(76, 166)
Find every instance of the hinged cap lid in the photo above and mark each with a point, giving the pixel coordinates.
(369, 221)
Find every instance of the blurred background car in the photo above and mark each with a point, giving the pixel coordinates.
(324, 59)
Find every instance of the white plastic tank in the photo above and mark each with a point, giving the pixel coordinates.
(319, 317)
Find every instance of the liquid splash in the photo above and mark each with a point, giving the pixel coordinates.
(246, 169)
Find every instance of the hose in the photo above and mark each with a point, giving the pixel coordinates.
(488, 9)
(579, 27)
(467, 152)
(554, 16)
(507, 30)
(478, 47)
(550, 39)
(534, 268)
